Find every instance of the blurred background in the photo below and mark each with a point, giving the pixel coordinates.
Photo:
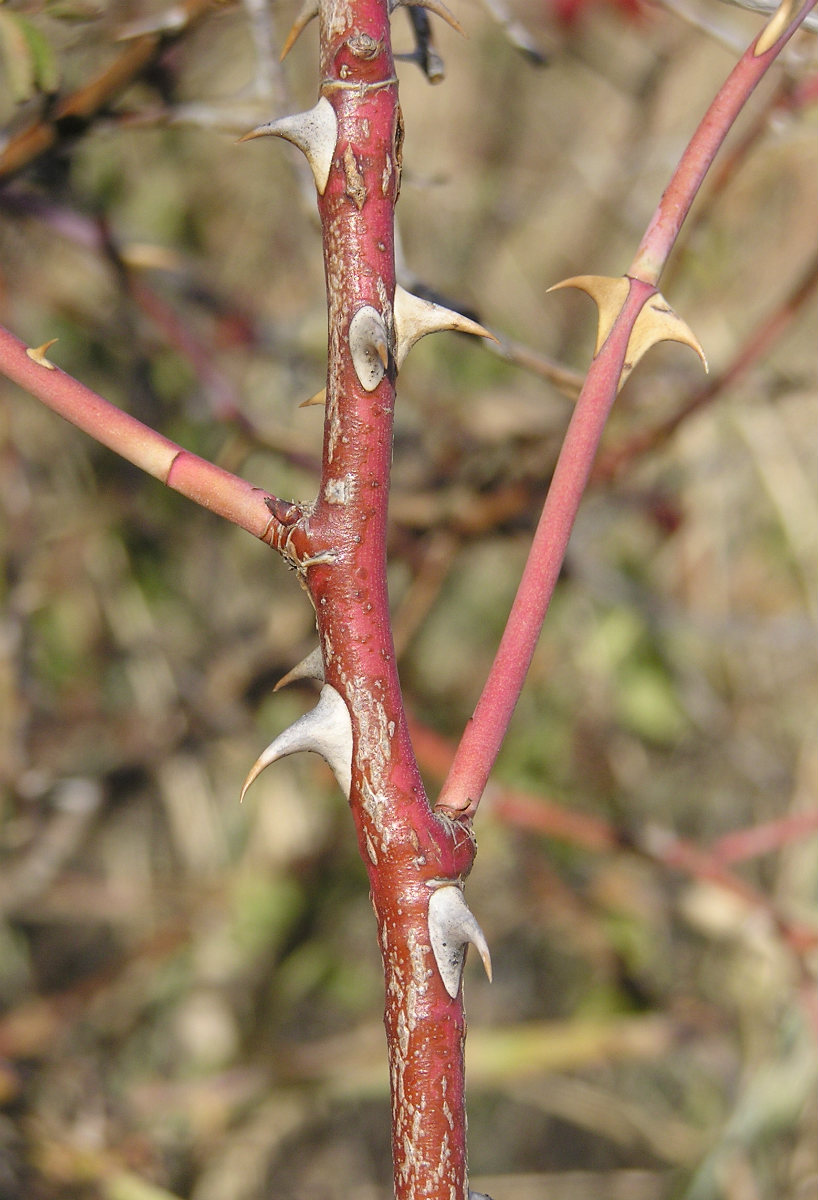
(190, 990)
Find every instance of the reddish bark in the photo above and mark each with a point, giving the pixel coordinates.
(404, 845)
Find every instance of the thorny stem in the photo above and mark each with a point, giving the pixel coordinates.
(338, 544)
(484, 734)
(611, 464)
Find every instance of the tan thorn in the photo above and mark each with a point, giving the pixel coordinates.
(318, 398)
(609, 294)
(657, 322)
(308, 11)
(38, 354)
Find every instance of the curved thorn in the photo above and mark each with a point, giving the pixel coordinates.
(314, 132)
(308, 10)
(414, 318)
(38, 354)
(656, 321)
(609, 294)
(433, 6)
(318, 398)
(325, 730)
(311, 667)
(368, 346)
(452, 925)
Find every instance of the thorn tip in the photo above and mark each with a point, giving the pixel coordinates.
(314, 132)
(452, 926)
(325, 730)
(415, 318)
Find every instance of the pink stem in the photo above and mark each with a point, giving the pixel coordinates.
(480, 744)
(223, 493)
(484, 734)
(660, 238)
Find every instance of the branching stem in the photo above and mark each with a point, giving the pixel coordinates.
(484, 734)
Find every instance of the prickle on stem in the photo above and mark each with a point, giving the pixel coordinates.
(310, 667)
(415, 317)
(656, 321)
(368, 346)
(37, 354)
(452, 925)
(314, 132)
(325, 730)
(307, 13)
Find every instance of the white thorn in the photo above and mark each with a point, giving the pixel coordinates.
(311, 667)
(314, 132)
(414, 318)
(325, 730)
(368, 346)
(452, 925)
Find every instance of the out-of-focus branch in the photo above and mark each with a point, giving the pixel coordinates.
(70, 113)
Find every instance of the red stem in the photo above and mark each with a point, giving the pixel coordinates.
(405, 847)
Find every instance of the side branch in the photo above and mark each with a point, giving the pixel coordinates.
(484, 734)
(225, 494)
(614, 358)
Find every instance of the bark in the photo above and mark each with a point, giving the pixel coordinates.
(338, 546)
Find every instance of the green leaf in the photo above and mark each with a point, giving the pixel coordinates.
(18, 57)
(46, 67)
